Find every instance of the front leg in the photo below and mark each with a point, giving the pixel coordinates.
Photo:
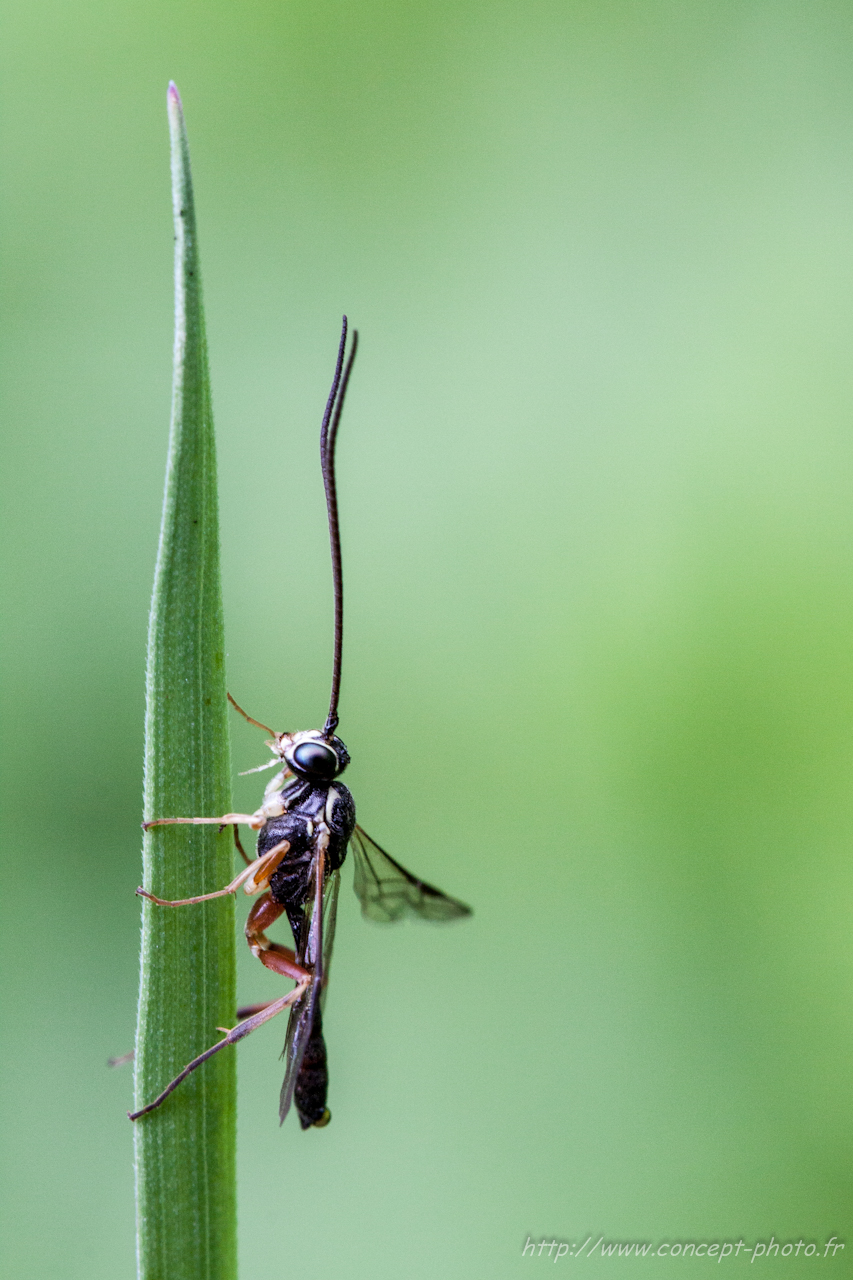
(250, 819)
(272, 807)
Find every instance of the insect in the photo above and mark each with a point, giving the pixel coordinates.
(305, 824)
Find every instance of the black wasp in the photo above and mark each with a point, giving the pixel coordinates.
(306, 823)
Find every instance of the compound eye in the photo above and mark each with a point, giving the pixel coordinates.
(316, 758)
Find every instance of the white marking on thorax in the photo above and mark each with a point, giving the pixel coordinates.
(330, 804)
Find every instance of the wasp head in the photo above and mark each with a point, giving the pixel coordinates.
(311, 756)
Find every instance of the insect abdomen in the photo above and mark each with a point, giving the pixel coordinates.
(312, 1083)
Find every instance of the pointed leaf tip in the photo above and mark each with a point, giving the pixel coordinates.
(186, 1154)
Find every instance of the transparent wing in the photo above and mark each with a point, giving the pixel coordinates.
(314, 952)
(330, 915)
(388, 891)
(298, 1034)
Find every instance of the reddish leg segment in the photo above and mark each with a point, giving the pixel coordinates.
(280, 959)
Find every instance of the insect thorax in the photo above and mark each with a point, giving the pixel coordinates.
(307, 807)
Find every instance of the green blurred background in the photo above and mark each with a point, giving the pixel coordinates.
(597, 503)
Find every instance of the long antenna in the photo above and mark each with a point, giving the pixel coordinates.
(328, 437)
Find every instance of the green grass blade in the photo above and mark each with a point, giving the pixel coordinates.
(185, 1151)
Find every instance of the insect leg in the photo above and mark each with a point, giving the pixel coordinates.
(251, 820)
(246, 1010)
(240, 849)
(245, 716)
(263, 866)
(272, 807)
(236, 1034)
(280, 959)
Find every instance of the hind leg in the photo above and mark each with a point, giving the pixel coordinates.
(236, 1034)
